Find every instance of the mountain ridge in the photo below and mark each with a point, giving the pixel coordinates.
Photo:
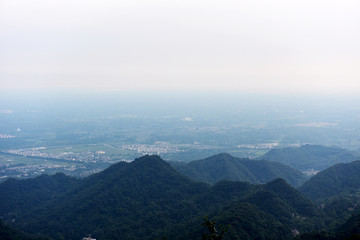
(340, 179)
(223, 166)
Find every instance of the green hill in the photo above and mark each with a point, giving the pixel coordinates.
(310, 156)
(292, 197)
(226, 167)
(338, 180)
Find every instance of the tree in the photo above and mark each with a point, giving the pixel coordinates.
(214, 235)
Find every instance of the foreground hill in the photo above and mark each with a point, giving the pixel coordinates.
(148, 199)
(125, 201)
(226, 167)
(310, 156)
(338, 180)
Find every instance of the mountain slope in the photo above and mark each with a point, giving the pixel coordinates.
(351, 227)
(244, 221)
(340, 179)
(310, 156)
(20, 195)
(9, 233)
(226, 167)
(269, 211)
(292, 197)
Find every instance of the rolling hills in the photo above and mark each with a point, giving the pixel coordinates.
(226, 167)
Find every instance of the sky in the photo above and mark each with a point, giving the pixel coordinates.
(260, 46)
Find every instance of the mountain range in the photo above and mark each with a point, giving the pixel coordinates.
(149, 199)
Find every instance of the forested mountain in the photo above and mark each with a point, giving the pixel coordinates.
(310, 156)
(148, 199)
(126, 201)
(338, 180)
(226, 167)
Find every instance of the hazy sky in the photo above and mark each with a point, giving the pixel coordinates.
(301, 46)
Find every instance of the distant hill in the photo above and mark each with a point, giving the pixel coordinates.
(226, 167)
(340, 179)
(310, 156)
(148, 199)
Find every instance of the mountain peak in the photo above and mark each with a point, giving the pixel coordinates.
(278, 182)
(148, 158)
(222, 155)
(151, 163)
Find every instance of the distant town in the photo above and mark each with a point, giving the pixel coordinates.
(30, 162)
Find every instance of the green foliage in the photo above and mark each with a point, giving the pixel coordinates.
(213, 232)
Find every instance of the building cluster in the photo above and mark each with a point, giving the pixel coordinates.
(156, 148)
(25, 171)
(163, 147)
(259, 146)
